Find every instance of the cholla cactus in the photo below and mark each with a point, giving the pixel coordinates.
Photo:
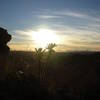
(50, 52)
(50, 49)
(51, 46)
(39, 54)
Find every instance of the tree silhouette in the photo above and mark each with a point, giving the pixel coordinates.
(5, 37)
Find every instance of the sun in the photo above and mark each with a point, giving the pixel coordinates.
(43, 37)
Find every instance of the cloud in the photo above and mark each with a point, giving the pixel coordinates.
(76, 37)
(22, 32)
(84, 35)
(87, 15)
(71, 13)
(22, 37)
(79, 14)
(59, 14)
(71, 37)
(48, 16)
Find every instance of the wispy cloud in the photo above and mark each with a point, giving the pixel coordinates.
(22, 32)
(80, 14)
(88, 15)
(70, 36)
(48, 16)
(84, 36)
(72, 13)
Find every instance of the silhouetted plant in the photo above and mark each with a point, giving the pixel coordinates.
(50, 49)
(5, 37)
(39, 54)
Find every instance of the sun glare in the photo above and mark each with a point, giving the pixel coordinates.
(43, 37)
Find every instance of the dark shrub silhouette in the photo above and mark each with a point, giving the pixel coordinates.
(4, 39)
(4, 50)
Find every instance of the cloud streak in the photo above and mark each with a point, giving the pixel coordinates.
(49, 16)
(82, 35)
(72, 37)
(87, 15)
(71, 13)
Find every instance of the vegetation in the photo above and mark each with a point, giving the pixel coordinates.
(39, 55)
(69, 76)
(72, 75)
(50, 49)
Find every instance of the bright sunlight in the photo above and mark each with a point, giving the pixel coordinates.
(43, 37)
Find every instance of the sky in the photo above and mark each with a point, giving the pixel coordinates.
(75, 22)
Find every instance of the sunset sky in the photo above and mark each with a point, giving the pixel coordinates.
(71, 24)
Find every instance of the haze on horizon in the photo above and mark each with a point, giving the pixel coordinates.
(71, 24)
